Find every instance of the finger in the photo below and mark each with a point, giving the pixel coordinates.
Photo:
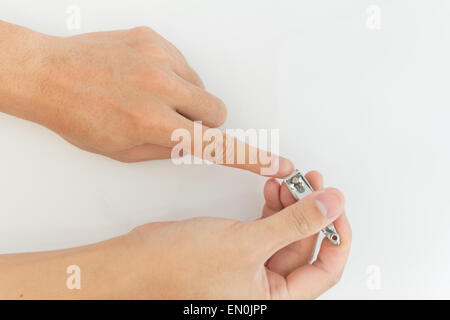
(178, 66)
(272, 197)
(310, 281)
(299, 221)
(315, 179)
(197, 104)
(286, 197)
(213, 145)
(187, 73)
(300, 252)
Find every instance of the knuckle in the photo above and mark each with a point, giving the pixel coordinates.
(185, 71)
(149, 48)
(143, 229)
(220, 113)
(155, 123)
(299, 219)
(213, 109)
(161, 79)
(142, 31)
(157, 51)
(158, 80)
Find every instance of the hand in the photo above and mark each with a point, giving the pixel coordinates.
(294, 262)
(201, 258)
(210, 258)
(120, 94)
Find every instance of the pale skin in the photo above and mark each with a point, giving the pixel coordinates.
(121, 94)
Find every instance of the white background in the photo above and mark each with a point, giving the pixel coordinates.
(366, 107)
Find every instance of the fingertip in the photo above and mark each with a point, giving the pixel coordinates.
(285, 167)
(270, 186)
(280, 168)
(330, 202)
(220, 112)
(338, 194)
(315, 178)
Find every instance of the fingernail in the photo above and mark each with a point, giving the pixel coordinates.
(330, 203)
(279, 167)
(285, 167)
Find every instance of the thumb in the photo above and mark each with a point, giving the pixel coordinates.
(300, 220)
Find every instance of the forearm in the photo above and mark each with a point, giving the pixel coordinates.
(20, 64)
(43, 275)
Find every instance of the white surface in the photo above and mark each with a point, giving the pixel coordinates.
(368, 108)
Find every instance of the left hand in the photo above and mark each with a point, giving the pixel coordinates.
(294, 260)
(200, 258)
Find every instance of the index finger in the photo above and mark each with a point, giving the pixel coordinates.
(215, 146)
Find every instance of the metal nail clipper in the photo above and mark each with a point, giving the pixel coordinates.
(300, 188)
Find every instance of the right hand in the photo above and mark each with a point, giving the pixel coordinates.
(120, 93)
